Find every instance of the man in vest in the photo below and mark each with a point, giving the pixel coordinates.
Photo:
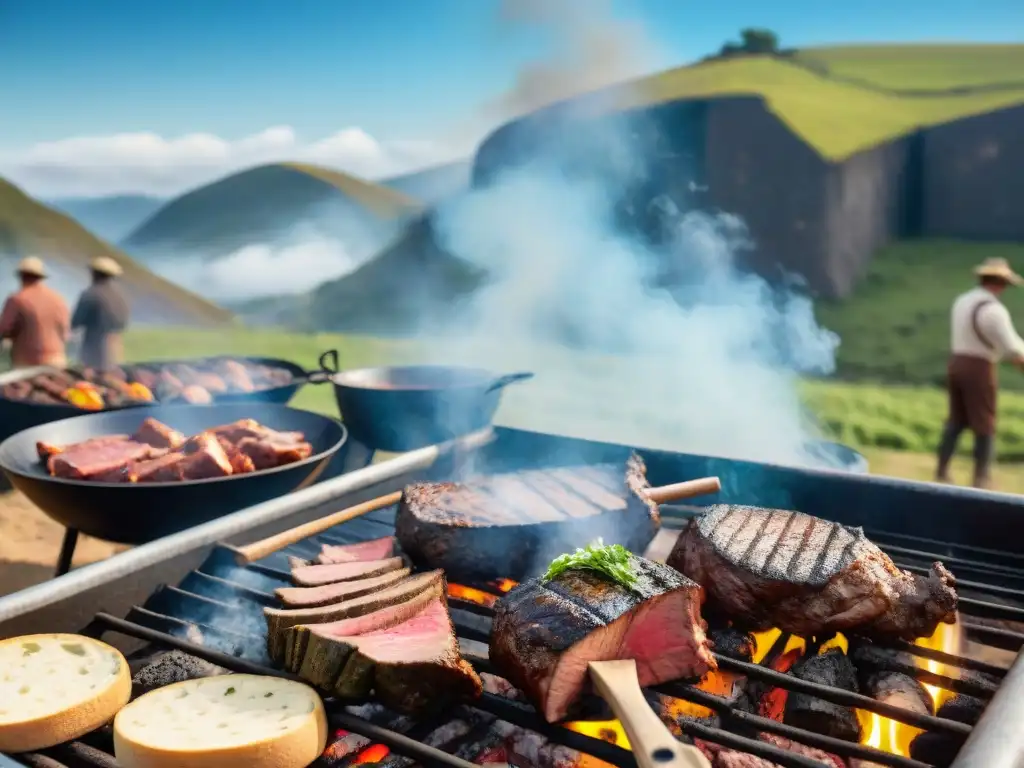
(102, 314)
(982, 335)
(35, 319)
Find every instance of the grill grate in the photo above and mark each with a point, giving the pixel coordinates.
(215, 614)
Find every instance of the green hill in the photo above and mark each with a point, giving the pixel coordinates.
(259, 205)
(29, 227)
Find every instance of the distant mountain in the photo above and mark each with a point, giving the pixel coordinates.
(432, 185)
(27, 226)
(111, 218)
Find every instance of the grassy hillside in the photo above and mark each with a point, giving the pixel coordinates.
(921, 67)
(259, 205)
(895, 327)
(835, 117)
(27, 226)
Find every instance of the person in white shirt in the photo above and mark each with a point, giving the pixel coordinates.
(982, 336)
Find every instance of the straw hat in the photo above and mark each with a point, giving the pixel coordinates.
(105, 265)
(31, 265)
(999, 268)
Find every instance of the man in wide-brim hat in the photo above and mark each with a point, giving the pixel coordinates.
(982, 336)
(35, 319)
(102, 315)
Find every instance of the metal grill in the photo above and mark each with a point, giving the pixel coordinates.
(215, 613)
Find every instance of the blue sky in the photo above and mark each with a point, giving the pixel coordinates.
(392, 67)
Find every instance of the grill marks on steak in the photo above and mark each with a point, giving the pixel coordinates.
(280, 621)
(545, 634)
(466, 528)
(768, 568)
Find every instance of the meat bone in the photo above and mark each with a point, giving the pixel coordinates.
(260, 549)
(653, 744)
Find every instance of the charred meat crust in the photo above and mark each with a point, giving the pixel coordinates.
(538, 625)
(774, 568)
(466, 529)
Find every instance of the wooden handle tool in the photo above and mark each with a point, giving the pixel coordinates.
(653, 745)
(687, 490)
(271, 544)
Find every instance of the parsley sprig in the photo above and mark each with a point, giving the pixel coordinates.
(612, 561)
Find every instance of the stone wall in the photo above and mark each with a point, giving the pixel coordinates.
(974, 177)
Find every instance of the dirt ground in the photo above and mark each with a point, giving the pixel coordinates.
(30, 542)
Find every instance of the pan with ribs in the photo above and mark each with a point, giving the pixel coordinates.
(156, 453)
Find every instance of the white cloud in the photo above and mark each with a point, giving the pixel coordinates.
(129, 163)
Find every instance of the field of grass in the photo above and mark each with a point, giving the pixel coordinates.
(897, 428)
(921, 67)
(837, 118)
(895, 326)
(28, 226)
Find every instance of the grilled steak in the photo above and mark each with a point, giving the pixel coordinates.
(411, 667)
(832, 669)
(316, 575)
(205, 458)
(311, 650)
(86, 461)
(159, 435)
(46, 450)
(768, 568)
(310, 597)
(279, 621)
(545, 633)
(468, 529)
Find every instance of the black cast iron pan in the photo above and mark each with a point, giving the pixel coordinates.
(404, 408)
(129, 513)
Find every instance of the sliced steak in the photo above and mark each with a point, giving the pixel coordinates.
(205, 458)
(378, 549)
(159, 435)
(85, 461)
(310, 597)
(310, 649)
(279, 621)
(546, 633)
(767, 568)
(412, 667)
(467, 528)
(46, 450)
(315, 575)
(274, 451)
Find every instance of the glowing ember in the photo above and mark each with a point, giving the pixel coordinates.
(763, 642)
(505, 585)
(470, 595)
(605, 730)
(891, 736)
(372, 754)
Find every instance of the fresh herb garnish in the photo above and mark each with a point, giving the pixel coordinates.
(611, 561)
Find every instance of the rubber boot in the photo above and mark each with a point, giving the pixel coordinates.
(947, 447)
(983, 445)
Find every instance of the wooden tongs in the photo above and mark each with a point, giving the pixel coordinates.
(260, 549)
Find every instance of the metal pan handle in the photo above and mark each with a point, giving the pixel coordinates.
(509, 378)
(329, 363)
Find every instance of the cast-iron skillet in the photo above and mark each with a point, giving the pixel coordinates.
(130, 513)
(404, 408)
(16, 415)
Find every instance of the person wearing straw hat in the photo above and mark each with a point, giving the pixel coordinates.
(982, 335)
(102, 315)
(35, 319)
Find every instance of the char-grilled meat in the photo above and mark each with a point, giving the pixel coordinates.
(274, 450)
(316, 575)
(832, 669)
(280, 621)
(467, 529)
(546, 633)
(336, 592)
(90, 459)
(377, 549)
(723, 757)
(412, 667)
(159, 435)
(767, 568)
(204, 458)
(46, 450)
(16, 390)
(235, 376)
(309, 649)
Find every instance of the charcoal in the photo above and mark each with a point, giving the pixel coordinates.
(963, 709)
(833, 669)
(733, 643)
(171, 667)
(936, 749)
(899, 690)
